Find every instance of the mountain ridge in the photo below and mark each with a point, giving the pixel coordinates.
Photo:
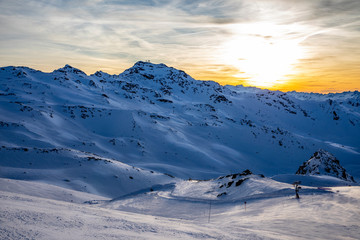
(160, 118)
(69, 66)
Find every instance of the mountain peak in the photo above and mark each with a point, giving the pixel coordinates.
(148, 70)
(323, 162)
(142, 66)
(67, 66)
(148, 63)
(69, 69)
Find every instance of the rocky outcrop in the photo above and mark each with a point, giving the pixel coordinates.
(324, 163)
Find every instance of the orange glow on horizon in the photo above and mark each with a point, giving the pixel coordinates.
(328, 82)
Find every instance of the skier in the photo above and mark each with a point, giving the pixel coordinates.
(297, 188)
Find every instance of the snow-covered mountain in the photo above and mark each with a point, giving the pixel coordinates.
(128, 155)
(160, 119)
(324, 163)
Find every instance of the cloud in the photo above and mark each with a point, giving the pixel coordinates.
(181, 33)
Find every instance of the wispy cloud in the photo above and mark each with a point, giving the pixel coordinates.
(112, 35)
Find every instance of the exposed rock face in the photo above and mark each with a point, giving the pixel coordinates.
(324, 163)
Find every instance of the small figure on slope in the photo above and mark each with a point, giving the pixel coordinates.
(297, 188)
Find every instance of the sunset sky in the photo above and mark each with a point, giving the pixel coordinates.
(308, 45)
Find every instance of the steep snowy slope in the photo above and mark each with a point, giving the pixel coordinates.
(159, 118)
(78, 170)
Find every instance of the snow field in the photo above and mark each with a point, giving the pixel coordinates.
(320, 215)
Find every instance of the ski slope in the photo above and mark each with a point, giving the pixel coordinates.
(47, 214)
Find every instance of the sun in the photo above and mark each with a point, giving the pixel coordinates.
(262, 60)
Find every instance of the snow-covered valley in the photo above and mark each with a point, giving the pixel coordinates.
(152, 153)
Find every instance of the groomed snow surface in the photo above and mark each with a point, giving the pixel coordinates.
(35, 210)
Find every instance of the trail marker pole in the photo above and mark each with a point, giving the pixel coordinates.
(209, 212)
